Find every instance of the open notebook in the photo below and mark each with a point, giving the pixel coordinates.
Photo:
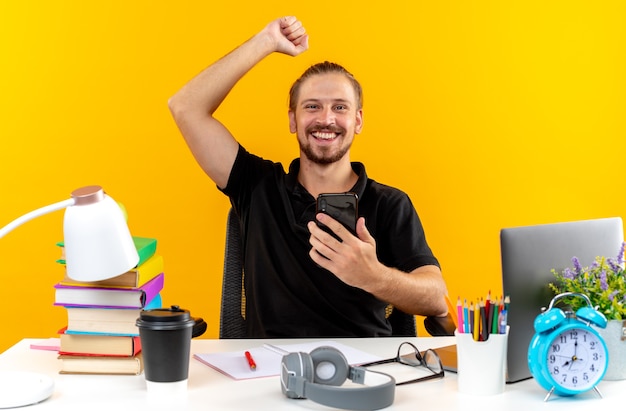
(268, 358)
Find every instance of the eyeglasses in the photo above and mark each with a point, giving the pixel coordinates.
(408, 354)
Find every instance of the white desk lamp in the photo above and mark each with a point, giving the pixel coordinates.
(98, 245)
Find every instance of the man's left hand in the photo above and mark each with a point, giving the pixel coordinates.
(353, 259)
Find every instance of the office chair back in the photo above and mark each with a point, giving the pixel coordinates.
(232, 314)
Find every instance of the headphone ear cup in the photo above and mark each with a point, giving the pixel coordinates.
(330, 366)
(296, 367)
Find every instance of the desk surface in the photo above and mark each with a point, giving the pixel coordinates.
(210, 390)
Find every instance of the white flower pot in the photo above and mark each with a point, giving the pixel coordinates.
(615, 338)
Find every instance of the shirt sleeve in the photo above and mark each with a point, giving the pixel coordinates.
(248, 170)
(401, 237)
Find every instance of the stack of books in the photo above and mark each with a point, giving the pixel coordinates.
(101, 336)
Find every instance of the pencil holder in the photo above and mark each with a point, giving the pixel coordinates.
(481, 365)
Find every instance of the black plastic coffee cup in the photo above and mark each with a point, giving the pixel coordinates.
(165, 335)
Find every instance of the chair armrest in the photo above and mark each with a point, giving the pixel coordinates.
(440, 326)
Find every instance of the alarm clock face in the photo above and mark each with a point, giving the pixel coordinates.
(576, 359)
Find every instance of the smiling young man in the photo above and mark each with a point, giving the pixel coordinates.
(299, 280)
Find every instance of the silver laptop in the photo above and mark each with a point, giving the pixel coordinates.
(528, 256)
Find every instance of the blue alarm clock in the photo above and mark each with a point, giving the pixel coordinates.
(566, 355)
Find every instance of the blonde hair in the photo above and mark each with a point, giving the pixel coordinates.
(324, 68)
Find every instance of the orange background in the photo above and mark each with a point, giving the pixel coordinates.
(488, 114)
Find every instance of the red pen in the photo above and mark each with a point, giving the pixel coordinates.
(251, 362)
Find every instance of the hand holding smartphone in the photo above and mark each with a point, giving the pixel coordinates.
(343, 207)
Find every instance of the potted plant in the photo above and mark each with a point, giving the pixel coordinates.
(604, 282)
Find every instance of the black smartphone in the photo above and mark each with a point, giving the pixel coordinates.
(343, 207)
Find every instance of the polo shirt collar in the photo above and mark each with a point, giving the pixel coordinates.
(294, 187)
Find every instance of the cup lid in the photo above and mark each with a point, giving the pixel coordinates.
(165, 318)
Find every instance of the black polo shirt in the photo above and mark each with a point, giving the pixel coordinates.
(287, 294)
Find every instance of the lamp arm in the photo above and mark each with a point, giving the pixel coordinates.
(35, 213)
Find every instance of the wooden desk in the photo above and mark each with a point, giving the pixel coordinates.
(210, 390)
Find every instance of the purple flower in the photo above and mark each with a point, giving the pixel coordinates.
(603, 283)
(620, 255)
(569, 274)
(614, 265)
(612, 295)
(577, 266)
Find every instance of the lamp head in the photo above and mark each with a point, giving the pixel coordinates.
(98, 244)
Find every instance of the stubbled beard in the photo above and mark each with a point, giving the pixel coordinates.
(323, 157)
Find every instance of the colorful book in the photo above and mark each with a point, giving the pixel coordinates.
(78, 296)
(91, 364)
(106, 321)
(146, 248)
(134, 278)
(107, 345)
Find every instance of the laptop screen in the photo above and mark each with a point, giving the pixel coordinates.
(528, 256)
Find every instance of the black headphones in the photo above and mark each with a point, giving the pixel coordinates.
(318, 375)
